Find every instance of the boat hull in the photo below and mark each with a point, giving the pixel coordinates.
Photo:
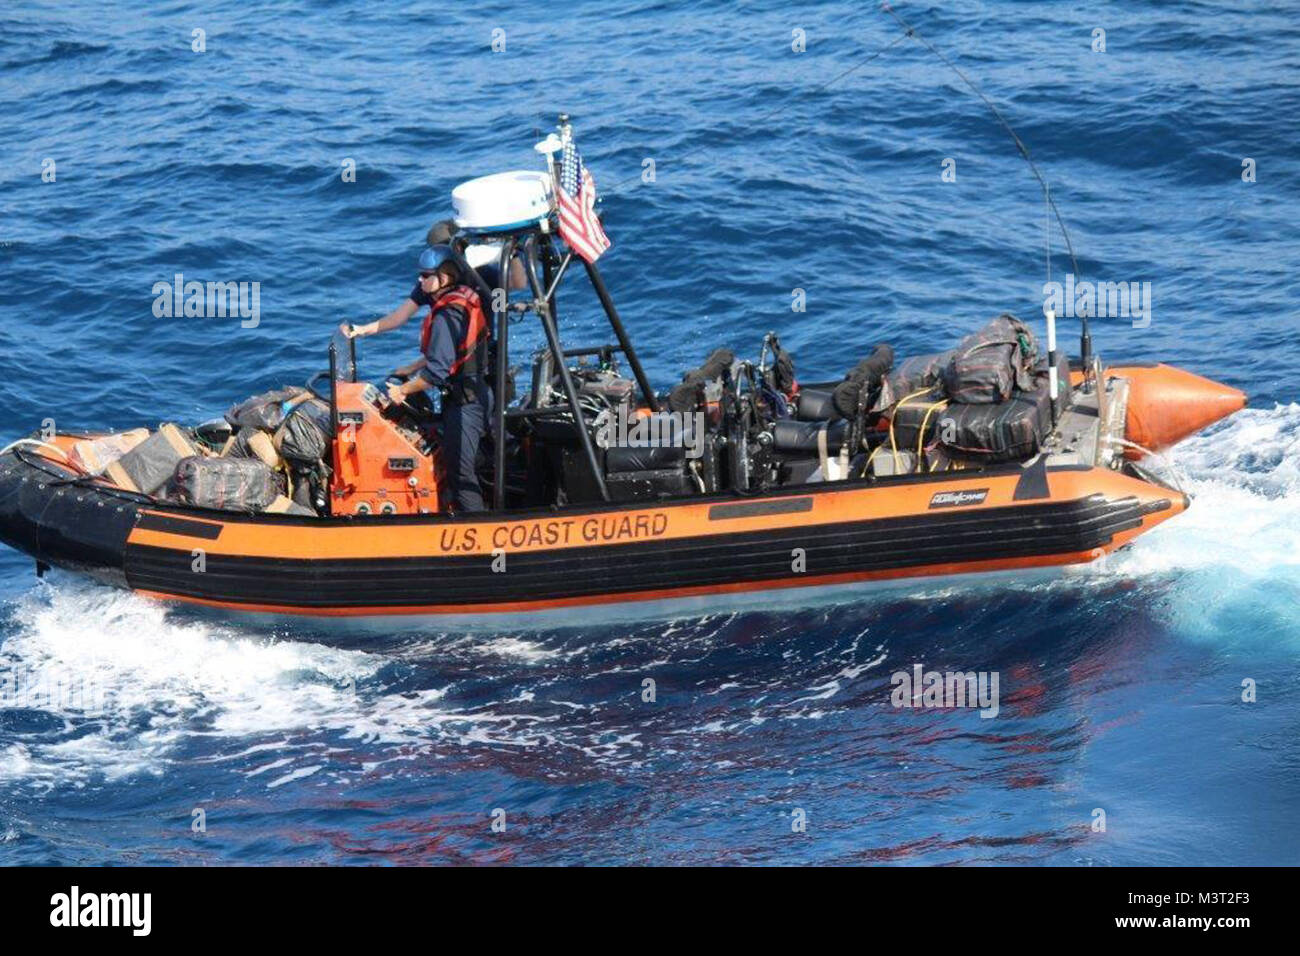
(709, 548)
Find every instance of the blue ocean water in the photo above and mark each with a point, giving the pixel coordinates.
(820, 170)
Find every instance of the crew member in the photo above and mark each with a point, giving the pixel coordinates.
(453, 359)
(467, 405)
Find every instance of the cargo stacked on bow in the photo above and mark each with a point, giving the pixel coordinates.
(268, 454)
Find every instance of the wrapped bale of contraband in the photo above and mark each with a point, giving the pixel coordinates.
(1008, 431)
(251, 443)
(229, 484)
(266, 412)
(304, 435)
(149, 465)
(1012, 430)
(912, 375)
(913, 416)
(93, 455)
(991, 365)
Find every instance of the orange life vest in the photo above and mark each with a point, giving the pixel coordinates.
(476, 327)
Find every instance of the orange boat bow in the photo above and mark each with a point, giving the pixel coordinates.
(1167, 404)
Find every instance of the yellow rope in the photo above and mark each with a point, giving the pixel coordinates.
(875, 451)
(893, 444)
(920, 441)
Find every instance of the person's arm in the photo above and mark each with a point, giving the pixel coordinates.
(435, 367)
(395, 319)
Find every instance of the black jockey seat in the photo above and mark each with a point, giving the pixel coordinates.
(653, 464)
(815, 405)
(623, 460)
(792, 437)
(654, 443)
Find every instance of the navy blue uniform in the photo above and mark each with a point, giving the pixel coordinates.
(467, 402)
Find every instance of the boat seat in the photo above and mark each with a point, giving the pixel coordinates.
(645, 472)
(815, 404)
(800, 438)
(666, 430)
(559, 430)
(624, 460)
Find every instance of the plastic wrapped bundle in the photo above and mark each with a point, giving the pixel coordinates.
(1008, 431)
(992, 364)
(232, 484)
(915, 374)
(148, 466)
(93, 455)
(305, 434)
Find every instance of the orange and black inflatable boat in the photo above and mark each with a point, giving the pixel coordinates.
(739, 482)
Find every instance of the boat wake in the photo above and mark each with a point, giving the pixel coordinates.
(1231, 560)
(1244, 478)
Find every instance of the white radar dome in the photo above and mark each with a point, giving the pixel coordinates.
(502, 201)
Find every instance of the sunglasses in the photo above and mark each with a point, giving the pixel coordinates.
(427, 275)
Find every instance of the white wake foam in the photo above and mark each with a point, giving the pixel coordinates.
(1244, 479)
(124, 686)
(1230, 565)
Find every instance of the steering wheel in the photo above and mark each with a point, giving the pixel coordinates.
(417, 409)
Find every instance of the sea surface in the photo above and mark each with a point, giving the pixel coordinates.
(1122, 735)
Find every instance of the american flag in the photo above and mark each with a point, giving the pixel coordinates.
(576, 200)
